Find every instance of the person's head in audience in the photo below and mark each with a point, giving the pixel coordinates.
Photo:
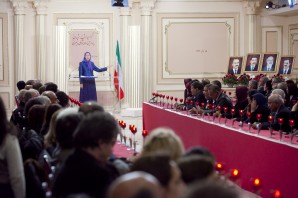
(259, 100)
(90, 107)
(290, 81)
(241, 93)
(214, 91)
(37, 85)
(196, 167)
(210, 188)
(283, 86)
(31, 93)
(268, 86)
(262, 81)
(52, 96)
(216, 82)
(253, 84)
(275, 81)
(135, 184)
(200, 151)
(250, 93)
(205, 91)
(21, 85)
(66, 123)
(196, 88)
(62, 98)
(96, 135)
(30, 82)
(21, 98)
(36, 116)
(40, 100)
(165, 170)
(42, 89)
(274, 102)
(279, 92)
(163, 139)
(187, 83)
(50, 140)
(205, 81)
(292, 89)
(50, 110)
(51, 87)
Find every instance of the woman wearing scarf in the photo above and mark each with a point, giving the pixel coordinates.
(87, 81)
(242, 102)
(259, 105)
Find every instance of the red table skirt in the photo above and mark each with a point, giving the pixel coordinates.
(275, 162)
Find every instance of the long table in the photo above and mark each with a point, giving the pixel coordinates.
(275, 162)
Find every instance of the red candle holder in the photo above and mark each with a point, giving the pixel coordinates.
(225, 109)
(270, 119)
(176, 99)
(181, 100)
(280, 121)
(219, 108)
(197, 104)
(248, 114)
(241, 112)
(291, 123)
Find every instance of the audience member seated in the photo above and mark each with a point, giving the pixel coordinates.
(278, 110)
(275, 82)
(50, 142)
(268, 88)
(216, 82)
(17, 114)
(12, 180)
(21, 85)
(210, 189)
(62, 98)
(165, 170)
(259, 105)
(90, 107)
(196, 167)
(50, 110)
(86, 170)
(66, 123)
(197, 96)
(293, 95)
(261, 84)
(279, 92)
(136, 184)
(165, 140)
(52, 96)
(294, 115)
(242, 101)
(252, 84)
(220, 99)
(205, 82)
(51, 87)
(187, 92)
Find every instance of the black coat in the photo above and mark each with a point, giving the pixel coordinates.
(82, 173)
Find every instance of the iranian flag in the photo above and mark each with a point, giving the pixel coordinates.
(118, 75)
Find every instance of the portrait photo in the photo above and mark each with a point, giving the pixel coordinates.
(285, 65)
(235, 65)
(252, 63)
(120, 3)
(269, 61)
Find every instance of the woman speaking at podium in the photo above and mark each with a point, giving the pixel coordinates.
(87, 80)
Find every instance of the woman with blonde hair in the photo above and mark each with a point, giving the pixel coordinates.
(163, 140)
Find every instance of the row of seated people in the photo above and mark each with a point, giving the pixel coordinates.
(79, 143)
(266, 97)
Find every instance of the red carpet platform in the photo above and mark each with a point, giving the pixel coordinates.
(273, 161)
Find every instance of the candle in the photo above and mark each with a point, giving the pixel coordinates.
(241, 112)
(225, 109)
(197, 103)
(232, 111)
(202, 104)
(171, 98)
(248, 114)
(176, 99)
(144, 133)
(181, 100)
(167, 97)
(270, 119)
(291, 123)
(259, 116)
(280, 120)
(218, 108)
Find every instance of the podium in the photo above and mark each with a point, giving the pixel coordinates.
(105, 89)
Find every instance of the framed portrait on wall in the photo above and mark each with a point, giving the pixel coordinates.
(286, 64)
(235, 65)
(269, 61)
(252, 62)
